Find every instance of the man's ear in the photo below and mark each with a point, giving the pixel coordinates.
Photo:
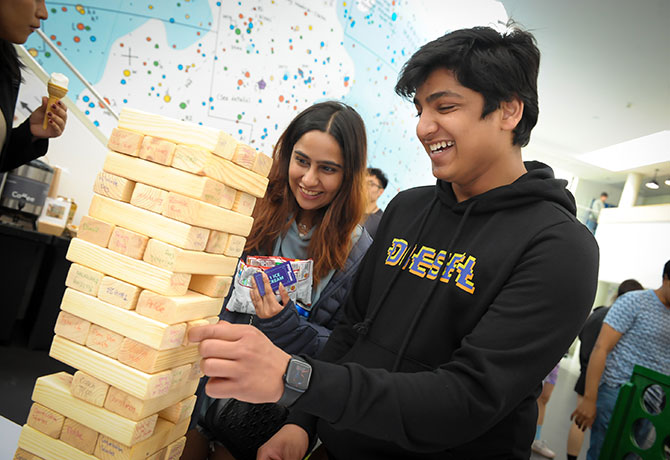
(511, 113)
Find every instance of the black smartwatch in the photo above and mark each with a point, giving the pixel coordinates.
(296, 380)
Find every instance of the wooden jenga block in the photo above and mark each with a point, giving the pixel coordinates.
(133, 408)
(179, 411)
(79, 436)
(113, 186)
(164, 177)
(48, 448)
(236, 176)
(148, 223)
(195, 373)
(228, 197)
(157, 150)
(150, 198)
(226, 244)
(191, 159)
(128, 323)
(174, 450)
(72, 327)
(217, 241)
(83, 279)
(51, 390)
(150, 360)
(128, 242)
(179, 132)
(118, 293)
(109, 370)
(179, 374)
(211, 285)
(177, 309)
(198, 322)
(160, 455)
(22, 454)
(94, 230)
(45, 420)
(127, 269)
(201, 214)
(234, 246)
(244, 156)
(244, 203)
(165, 433)
(89, 389)
(104, 341)
(179, 260)
(262, 165)
(124, 141)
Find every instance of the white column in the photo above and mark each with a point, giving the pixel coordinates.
(630, 190)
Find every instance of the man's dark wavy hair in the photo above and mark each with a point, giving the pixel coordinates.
(498, 66)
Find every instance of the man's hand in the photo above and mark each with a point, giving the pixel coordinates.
(241, 362)
(267, 305)
(56, 115)
(289, 443)
(584, 414)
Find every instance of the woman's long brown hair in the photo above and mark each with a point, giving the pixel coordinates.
(331, 239)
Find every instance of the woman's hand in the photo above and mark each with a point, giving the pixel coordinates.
(267, 305)
(289, 443)
(56, 116)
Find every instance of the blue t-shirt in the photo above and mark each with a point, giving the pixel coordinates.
(645, 324)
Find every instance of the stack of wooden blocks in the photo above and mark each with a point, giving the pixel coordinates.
(154, 257)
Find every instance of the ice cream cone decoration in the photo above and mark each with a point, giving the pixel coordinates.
(57, 88)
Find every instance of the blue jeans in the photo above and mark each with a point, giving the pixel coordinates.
(605, 406)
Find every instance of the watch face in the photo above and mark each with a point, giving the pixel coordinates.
(298, 374)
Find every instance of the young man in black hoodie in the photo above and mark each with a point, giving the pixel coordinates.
(473, 289)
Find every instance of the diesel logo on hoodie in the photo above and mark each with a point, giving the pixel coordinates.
(427, 263)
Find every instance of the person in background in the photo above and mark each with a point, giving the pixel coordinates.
(472, 290)
(587, 339)
(18, 19)
(594, 212)
(540, 446)
(311, 210)
(636, 330)
(376, 184)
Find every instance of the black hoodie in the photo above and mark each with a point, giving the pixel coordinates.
(445, 360)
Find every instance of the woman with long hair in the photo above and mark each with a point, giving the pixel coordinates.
(311, 210)
(18, 19)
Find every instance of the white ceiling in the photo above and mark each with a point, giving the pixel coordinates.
(604, 79)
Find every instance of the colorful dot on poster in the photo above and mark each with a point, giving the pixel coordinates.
(167, 98)
(80, 26)
(239, 82)
(182, 105)
(281, 98)
(171, 20)
(80, 9)
(63, 8)
(32, 52)
(238, 31)
(123, 81)
(93, 38)
(126, 72)
(76, 39)
(151, 7)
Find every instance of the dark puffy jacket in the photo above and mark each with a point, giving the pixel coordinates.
(296, 334)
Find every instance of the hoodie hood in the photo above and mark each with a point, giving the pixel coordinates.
(538, 184)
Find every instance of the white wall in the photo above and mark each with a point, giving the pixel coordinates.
(634, 243)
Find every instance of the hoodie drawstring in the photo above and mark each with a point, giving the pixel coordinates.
(419, 312)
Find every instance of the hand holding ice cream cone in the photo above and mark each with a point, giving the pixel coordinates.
(57, 88)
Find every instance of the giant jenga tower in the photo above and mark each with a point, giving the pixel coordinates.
(154, 257)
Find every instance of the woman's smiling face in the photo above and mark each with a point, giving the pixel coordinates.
(315, 171)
